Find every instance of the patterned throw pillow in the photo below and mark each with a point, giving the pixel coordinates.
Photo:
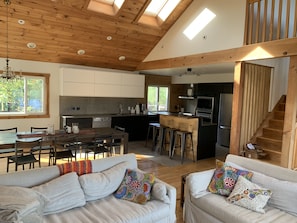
(136, 186)
(224, 179)
(249, 195)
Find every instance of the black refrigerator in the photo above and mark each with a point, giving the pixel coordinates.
(224, 120)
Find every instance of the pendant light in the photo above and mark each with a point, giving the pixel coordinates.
(8, 73)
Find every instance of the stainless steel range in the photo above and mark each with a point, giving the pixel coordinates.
(86, 121)
(100, 122)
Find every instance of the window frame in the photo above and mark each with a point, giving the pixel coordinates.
(45, 114)
(168, 98)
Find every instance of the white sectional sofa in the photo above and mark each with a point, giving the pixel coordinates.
(42, 195)
(201, 206)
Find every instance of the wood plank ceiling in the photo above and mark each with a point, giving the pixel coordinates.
(60, 28)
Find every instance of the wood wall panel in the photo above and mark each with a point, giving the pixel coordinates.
(250, 107)
(289, 147)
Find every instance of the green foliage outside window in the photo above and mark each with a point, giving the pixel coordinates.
(22, 96)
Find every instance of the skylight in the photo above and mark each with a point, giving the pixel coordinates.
(109, 7)
(158, 11)
(161, 8)
(201, 21)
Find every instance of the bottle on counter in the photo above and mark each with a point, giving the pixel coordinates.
(137, 109)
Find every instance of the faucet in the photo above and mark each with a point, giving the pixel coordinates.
(121, 109)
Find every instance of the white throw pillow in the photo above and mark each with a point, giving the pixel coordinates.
(249, 195)
(63, 193)
(19, 204)
(198, 183)
(101, 184)
(284, 195)
(159, 192)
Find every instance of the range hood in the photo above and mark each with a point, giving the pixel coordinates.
(189, 94)
(186, 97)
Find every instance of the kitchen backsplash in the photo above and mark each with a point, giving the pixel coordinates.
(93, 105)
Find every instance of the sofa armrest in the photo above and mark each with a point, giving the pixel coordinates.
(198, 182)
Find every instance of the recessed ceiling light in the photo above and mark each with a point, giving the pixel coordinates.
(81, 52)
(109, 37)
(21, 21)
(122, 58)
(31, 45)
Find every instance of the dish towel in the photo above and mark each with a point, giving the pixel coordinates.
(80, 167)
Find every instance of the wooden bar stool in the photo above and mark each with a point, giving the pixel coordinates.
(183, 135)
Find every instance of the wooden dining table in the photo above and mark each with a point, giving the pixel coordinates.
(8, 139)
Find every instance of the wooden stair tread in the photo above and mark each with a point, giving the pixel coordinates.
(279, 152)
(273, 129)
(270, 139)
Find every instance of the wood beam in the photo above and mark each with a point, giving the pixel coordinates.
(290, 117)
(236, 109)
(266, 50)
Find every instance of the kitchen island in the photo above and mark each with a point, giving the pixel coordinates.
(204, 134)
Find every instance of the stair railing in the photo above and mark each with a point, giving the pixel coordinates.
(268, 20)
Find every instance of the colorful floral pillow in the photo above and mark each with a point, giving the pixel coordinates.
(224, 179)
(249, 195)
(136, 186)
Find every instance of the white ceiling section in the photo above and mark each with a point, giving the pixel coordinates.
(225, 31)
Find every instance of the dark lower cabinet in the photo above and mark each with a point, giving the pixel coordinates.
(135, 125)
(207, 138)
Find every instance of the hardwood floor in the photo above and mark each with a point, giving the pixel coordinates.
(170, 174)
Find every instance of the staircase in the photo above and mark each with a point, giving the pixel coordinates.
(271, 139)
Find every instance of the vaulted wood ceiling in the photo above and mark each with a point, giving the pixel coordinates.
(60, 28)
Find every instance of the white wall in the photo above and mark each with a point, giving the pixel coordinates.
(37, 67)
(207, 78)
(224, 32)
(279, 78)
(40, 67)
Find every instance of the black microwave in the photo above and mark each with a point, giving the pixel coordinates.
(205, 103)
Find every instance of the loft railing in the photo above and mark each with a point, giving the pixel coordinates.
(268, 20)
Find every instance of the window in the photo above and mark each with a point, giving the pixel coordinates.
(157, 98)
(158, 11)
(25, 97)
(109, 7)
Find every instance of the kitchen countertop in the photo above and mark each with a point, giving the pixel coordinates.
(105, 115)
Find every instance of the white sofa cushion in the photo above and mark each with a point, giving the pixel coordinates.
(198, 182)
(102, 184)
(284, 194)
(218, 207)
(113, 210)
(19, 204)
(63, 193)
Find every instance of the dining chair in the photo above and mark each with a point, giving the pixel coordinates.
(23, 153)
(65, 147)
(101, 145)
(5, 151)
(45, 149)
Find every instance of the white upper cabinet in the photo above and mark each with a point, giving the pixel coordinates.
(79, 82)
